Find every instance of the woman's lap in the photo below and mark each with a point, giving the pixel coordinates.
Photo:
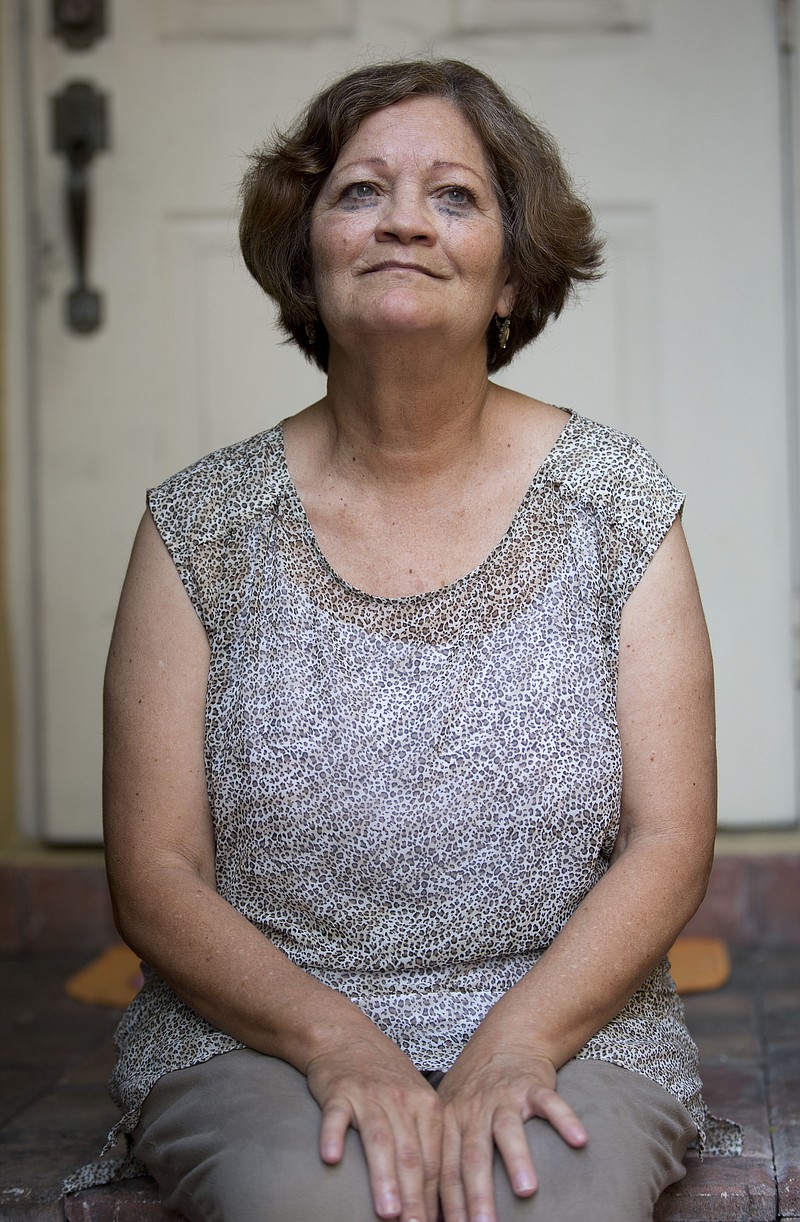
(236, 1140)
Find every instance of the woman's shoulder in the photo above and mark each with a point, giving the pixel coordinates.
(231, 466)
(611, 475)
(609, 469)
(601, 451)
(224, 487)
(582, 452)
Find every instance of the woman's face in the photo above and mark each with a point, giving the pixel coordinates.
(406, 235)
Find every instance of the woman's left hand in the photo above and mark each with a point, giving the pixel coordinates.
(490, 1092)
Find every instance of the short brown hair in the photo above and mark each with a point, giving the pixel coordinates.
(550, 239)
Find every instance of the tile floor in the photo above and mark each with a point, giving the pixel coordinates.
(55, 1056)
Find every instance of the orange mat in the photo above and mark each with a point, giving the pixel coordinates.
(699, 965)
(112, 979)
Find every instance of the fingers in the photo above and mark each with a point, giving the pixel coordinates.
(554, 1109)
(431, 1164)
(451, 1187)
(467, 1174)
(477, 1159)
(395, 1161)
(512, 1143)
(336, 1121)
(474, 1127)
(374, 1089)
(402, 1156)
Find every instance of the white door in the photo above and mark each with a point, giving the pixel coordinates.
(668, 112)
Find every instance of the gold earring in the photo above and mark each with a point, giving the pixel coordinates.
(503, 330)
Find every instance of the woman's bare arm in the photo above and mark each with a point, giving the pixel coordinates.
(662, 860)
(160, 857)
(158, 833)
(656, 880)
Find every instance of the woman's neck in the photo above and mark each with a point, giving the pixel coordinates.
(403, 417)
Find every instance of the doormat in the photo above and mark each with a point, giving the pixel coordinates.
(112, 979)
(700, 965)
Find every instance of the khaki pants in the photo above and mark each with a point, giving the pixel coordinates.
(235, 1139)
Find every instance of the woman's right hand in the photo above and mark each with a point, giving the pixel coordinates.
(374, 1088)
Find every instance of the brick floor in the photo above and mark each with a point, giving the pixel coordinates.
(55, 1056)
(749, 1039)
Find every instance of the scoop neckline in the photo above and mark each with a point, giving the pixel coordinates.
(452, 586)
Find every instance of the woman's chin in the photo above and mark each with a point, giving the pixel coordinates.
(402, 327)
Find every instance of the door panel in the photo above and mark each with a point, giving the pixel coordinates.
(668, 112)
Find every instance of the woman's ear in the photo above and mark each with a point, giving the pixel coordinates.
(507, 296)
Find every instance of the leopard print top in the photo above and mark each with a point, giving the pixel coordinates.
(412, 795)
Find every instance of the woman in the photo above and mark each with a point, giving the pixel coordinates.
(376, 678)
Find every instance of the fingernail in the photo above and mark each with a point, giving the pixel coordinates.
(524, 1183)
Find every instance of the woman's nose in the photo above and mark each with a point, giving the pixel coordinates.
(405, 217)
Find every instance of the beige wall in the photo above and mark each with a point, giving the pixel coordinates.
(634, 235)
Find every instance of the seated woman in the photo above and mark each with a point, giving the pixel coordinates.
(409, 722)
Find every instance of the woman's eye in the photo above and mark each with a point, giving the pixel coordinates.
(360, 190)
(457, 195)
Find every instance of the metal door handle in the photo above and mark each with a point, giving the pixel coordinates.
(80, 123)
(78, 23)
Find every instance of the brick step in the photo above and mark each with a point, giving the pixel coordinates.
(717, 1190)
(55, 1058)
(136, 1201)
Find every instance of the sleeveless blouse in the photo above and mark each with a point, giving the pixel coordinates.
(411, 796)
